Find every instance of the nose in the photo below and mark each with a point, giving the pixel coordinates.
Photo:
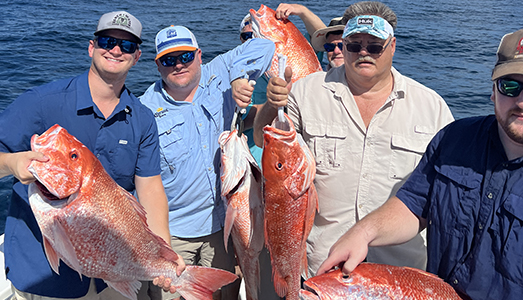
(116, 49)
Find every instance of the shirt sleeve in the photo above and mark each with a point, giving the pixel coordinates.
(148, 163)
(415, 193)
(250, 59)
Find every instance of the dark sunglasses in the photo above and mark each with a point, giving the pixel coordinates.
(246, 35)
(169, 61)
(371, 49)
(329, 47)
(108, 43)
(509, 87)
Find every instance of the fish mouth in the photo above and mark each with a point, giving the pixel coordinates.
(309, 293)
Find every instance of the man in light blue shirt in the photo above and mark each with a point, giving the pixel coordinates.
(193, 104)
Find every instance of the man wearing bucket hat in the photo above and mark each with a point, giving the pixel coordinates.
(106, 117)
(367, 126)
(329, 39)
(193, 104)
(467, 191)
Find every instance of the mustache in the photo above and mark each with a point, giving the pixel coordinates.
(365, 59)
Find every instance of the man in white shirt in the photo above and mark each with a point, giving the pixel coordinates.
(367, 126)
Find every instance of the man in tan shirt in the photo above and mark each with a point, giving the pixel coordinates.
(367, 126)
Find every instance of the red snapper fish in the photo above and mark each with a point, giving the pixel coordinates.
(290, 203)
(289, 41)
(98, 228)
(241, 190)
(376, 281)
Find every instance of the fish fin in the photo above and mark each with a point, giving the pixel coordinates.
(312, 207)
(300, 181)
(64, 246)
(280, 284)
(127, 288)
(230, 216)
(52, 257)
(200, 282)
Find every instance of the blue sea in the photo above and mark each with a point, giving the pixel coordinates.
(447, 45)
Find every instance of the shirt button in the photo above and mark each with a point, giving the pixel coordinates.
(364, 175)
(200, 124)
(480, 226)
(360, 206)
(209, 168)
(455, 281)
(204, 146)
(98, 155)
(489, 195)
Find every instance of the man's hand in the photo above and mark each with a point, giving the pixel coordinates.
(16, 164)
(242, 92)
(278, 89)
(284, 10)
(165, 283)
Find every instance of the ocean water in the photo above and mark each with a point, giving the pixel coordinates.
(446, 45)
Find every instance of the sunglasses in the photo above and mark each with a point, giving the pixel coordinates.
(329, 47)
(371, 49)
(108, 43)
(169, 61)
(246, 35)
(509, 87)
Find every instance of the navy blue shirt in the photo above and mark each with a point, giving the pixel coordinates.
(126, 143)
(472, 198)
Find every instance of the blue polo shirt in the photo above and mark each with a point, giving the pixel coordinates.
(126, 143)
(472, 198)
(189, 131)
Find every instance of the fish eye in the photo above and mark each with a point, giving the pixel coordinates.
(346, 278)
(74, 155)
(279, 166)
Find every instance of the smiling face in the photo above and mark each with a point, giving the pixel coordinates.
(509, 113)
(181, 76)
(113, 63)
(364, 65)
(335, 57)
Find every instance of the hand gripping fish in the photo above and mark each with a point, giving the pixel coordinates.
(376, 281)
(289, 41)
(241, 191)
(290, 203)
(98, 228)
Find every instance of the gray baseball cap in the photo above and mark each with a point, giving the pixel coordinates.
(121, 20)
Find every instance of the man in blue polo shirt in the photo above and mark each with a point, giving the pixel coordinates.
(101, 112)
(193, 104)
(467, 191)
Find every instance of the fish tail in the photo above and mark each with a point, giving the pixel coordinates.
(198, 283)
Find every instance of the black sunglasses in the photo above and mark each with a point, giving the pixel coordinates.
(108, 43)
(246, 35)
(169, 61)
(509, 87)
(371, 49)
(329, 47)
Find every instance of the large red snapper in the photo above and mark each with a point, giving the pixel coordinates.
(98, 228)
(241, 190)
(376, 281)
(291, 200)
(289, 41)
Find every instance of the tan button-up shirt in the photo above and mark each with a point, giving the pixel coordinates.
(359, 168)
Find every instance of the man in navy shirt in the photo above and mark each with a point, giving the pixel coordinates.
(101, 112)
(467, 191)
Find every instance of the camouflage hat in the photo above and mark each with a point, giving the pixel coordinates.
(510, 55)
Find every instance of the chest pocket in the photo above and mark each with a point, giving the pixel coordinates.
(123, 173)
(507, 236)
(328, 143)
(406, 154)
(457, 193)
(172, 147)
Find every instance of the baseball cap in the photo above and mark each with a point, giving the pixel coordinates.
(121, 20)
(510, 55)
(373, 25)
(174, 38)
(319, 37)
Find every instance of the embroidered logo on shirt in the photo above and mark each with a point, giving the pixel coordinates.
(122, 142)
(160, 112)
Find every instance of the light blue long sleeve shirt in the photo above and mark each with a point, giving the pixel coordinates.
(189, 131)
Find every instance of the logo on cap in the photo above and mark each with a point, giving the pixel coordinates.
(366, 21)
(171, 33)
(520, 47)
(122, 20)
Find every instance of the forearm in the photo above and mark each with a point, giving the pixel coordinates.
(264, 116)
(4, 166)
(152, 197)
(392, 223)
